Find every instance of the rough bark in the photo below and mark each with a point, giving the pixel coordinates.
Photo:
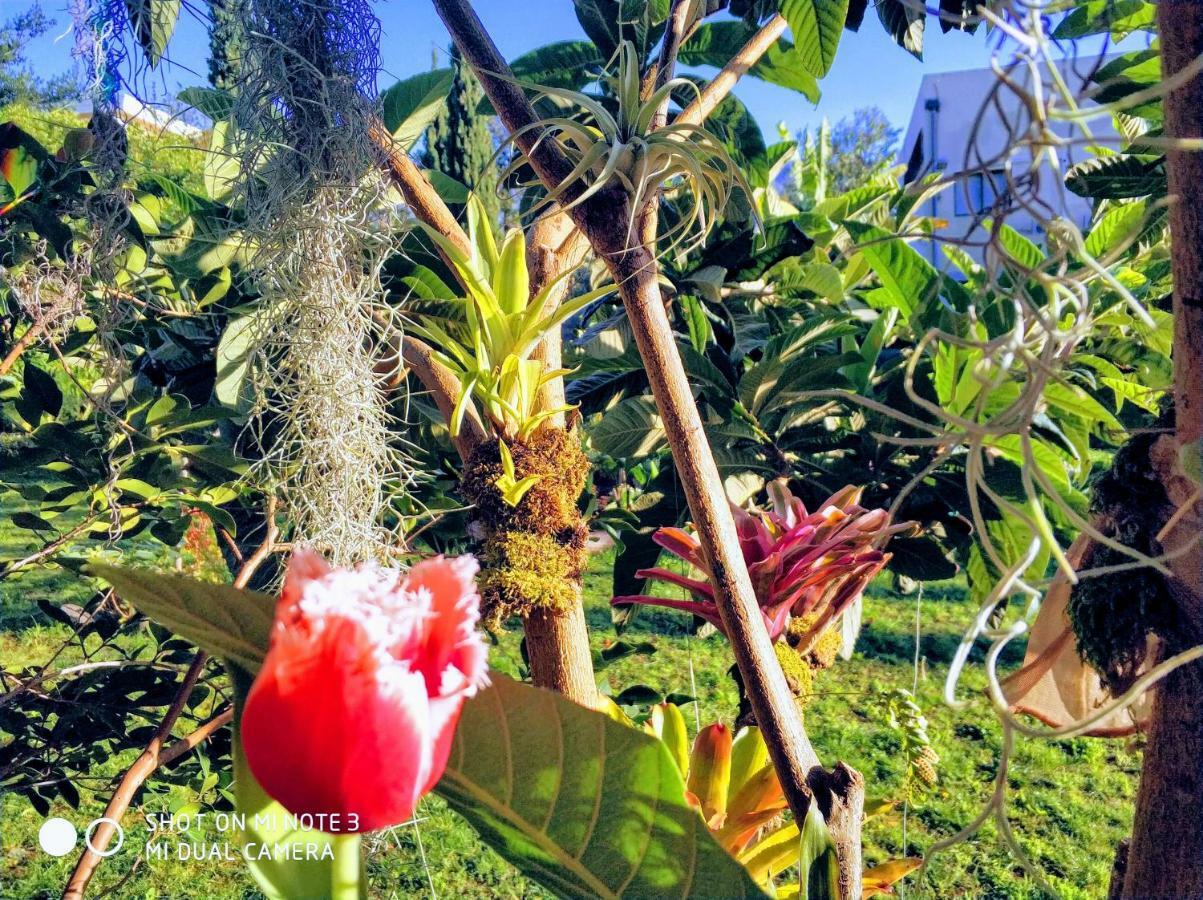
(553, 642)
(1165, 858)
(840, 794)
(604, 218)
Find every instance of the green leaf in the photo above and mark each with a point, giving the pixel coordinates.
(1117, 226)
(1117, 17)
(630, 430)
(412, 103)
(234, 353)
(227, 622)
(563, 64)
(583, 805)
(41, 388)
(818, 26)
(909, 280)
(1121, 177)
(213, 102)
(153, 22)
(714, 43)
(904, 21)
(818, 868)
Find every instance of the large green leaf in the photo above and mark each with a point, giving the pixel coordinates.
(909, 280)
(1117, 17)
(235, 351)
(1116, 227)
(713, 44)
(213, 102)
(904, 20)
(817, 26)
(412, 103)
(227, 622)
(153, 22)
(582, 804)
(631, 430)
(1119, 177)
(564, 64)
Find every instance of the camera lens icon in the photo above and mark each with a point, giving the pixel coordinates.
(58, 837)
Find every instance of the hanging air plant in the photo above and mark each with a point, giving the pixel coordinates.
(316, 233)
(626, 148)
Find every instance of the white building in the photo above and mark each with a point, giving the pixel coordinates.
(154, 118)
(969, 128)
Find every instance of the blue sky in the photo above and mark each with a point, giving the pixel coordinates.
(869, 69)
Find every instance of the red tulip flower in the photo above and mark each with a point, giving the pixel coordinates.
(801, 563)
(356, 704)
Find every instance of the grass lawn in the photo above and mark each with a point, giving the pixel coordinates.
(1070, 801)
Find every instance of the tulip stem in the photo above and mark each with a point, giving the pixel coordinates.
(345, 873)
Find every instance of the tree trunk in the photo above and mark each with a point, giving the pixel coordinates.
(557, 645)
(1165, 858)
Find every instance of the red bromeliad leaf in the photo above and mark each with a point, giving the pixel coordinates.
(801, 563)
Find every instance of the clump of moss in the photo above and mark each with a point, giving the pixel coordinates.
(535, 551)
(1113, 617)
(524, 571)
(548, 507)
(798, 673)
(819, 651)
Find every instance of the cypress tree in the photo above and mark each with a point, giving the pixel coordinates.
(227, 43)
(459, 143)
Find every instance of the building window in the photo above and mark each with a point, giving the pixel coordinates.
(977, 193)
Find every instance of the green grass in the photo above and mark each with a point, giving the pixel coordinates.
(1070, 801)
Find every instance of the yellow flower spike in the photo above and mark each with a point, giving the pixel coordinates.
(775, 853)
(667, 723)
(710, 772)
(749, 754)
(880, 879)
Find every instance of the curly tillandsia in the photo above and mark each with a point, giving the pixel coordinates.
(489, 348)
(906, 718)
(629, 147)
(318, 227)
(807, 568)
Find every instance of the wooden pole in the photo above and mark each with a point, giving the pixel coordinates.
(1165, 857)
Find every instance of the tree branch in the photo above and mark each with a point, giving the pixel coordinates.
(32, 333)
(444, 388)
(419, 194)
(737, 66)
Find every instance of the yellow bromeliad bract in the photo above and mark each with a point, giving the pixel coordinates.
(489, 349)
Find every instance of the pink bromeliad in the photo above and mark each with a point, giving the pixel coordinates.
(801, 563)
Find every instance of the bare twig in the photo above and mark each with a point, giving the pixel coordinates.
(32, 333)
(720, 86)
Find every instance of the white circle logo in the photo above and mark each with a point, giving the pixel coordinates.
(57, 836)
(104, 854)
